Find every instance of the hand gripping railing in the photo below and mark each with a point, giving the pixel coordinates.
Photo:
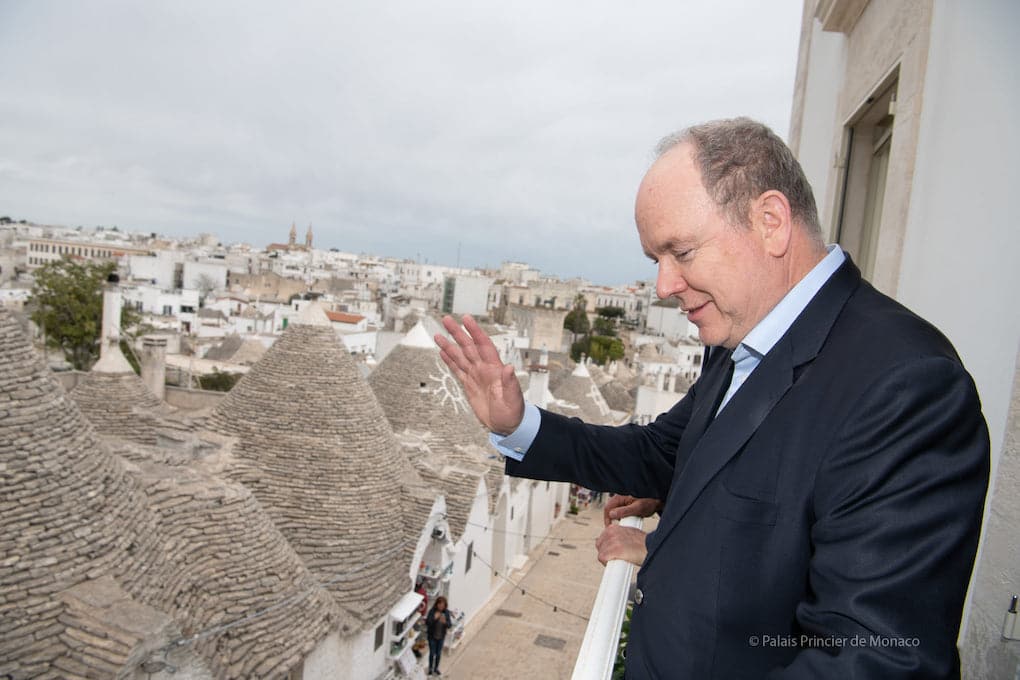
(598, 649)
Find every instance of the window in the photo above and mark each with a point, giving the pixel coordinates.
(470, 554)
(867, 142)
(511, 513)
(380, 631)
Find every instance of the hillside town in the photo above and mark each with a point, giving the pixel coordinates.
(304, 520)
(219, 307)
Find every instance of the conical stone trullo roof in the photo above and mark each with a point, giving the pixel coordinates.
(578, 388)
(102, 559)
(417, 392)
(117, 401)
(316, 450)
(69, 513)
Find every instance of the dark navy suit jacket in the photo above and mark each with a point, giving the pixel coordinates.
(824, 524)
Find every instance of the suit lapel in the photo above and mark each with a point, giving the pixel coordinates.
(710, 395)
(709, 444)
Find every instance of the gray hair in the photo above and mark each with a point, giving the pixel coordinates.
(740, 159)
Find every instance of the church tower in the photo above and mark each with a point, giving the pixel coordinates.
(308, 237)
(293, 235)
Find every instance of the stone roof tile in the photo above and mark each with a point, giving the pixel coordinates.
(318, 454)
(69, 510)
(119, 405)
(178, 543)
(578, 388)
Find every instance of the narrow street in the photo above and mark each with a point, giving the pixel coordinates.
(517, 636)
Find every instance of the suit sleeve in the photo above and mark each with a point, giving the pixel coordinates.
(897, 509)
(631, 459)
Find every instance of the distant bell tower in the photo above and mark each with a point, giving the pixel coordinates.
(308, 237)
(293, 234)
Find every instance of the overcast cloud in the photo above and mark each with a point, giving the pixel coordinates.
(518, 130)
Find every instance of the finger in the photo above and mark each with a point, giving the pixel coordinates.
(511, 387)
(486, 349)
(611, 503)
(451, 354)
(624, 511)
(455, 368)
(465, 341)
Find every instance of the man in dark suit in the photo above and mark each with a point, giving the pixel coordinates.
(824, 479)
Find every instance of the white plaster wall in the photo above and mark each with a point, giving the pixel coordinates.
(193, 271)
(326, 661)
(172, 300)
(826, 65)
(471, 295)
(436, 519)
(959, 267)
(347, 658)
(470, 590)
(563, 497)
(543, 499)
(500, 549)
(651, 402)
(517, 526)
(959, 262)
(359, 343)
(671, 322)
(159, 269)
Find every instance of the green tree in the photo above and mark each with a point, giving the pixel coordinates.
(611, 312)
(608, 320)
(576, 320)
(67, 304)
(604, 326)
(579, 347)
(603, 349)
(218, 381)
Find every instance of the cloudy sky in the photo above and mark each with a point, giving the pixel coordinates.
(507, 130)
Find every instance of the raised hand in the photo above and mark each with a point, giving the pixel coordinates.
(618, 507)
(490, 385)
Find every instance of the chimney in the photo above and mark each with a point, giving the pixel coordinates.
(111, 314)
(154, 365)
(538, 382)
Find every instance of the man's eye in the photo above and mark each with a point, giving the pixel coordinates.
(682, 254)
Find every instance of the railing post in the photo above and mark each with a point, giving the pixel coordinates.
(598, 649)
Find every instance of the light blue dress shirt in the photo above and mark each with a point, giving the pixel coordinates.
(746, 356)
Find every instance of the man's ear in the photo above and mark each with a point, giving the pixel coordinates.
(772, 219)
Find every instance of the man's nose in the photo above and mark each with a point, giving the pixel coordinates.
(669, 281)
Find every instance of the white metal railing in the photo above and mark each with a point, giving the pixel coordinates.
(598, 649)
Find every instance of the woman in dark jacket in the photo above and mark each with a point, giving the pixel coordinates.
(436, 623)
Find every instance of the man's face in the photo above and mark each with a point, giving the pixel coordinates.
(719, 272)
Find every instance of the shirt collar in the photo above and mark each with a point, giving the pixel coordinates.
(764, 336)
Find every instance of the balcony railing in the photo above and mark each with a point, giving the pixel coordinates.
(598, 649)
